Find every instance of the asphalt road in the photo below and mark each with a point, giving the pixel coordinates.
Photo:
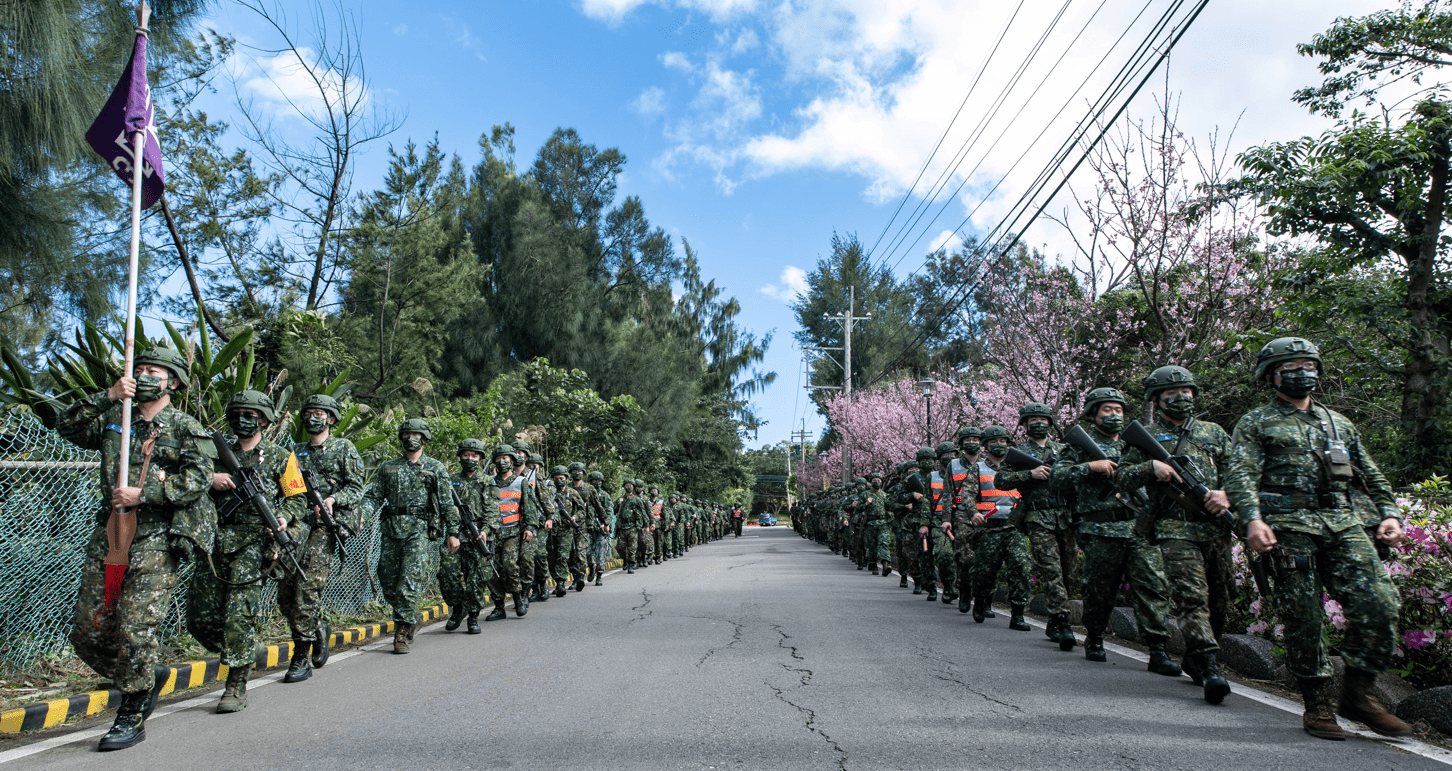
(764, 652)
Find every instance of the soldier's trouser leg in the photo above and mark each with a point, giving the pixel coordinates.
(963, 554)
(525, 561)
(1347, 569)
(1048, 568)
(561, 544)
(478, 575)
(944, 560)
(121, 645)
(541, 554)
(451, 578)
(223, 618)
(660, 541)
(1017, 565)
(1069, 557)
(1189, 593)
(506, 552)
(987, 559)
(1103, 566)
(401, 574)
(1140, 564)
(600, 547)
(579, 554)
(1220, 576)
(625, 546)
(301, 602)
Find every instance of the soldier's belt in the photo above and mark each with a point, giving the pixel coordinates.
(1293, 502)
(1048, 504)
(406, 511)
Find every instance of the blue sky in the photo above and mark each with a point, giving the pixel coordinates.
(755, 129)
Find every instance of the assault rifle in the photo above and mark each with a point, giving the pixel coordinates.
(1077, 436)
(1189, 493)
(469, 529)
(1018, 460)
(248, 488)
(338, 529)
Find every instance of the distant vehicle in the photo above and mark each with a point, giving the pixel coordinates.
(766, 520)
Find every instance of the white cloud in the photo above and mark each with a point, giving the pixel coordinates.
(613, 11)
(945, 240)
(460, 34)
(791, 285)
(651, 102)
(867, 88)
(400, 29)
(284, 85)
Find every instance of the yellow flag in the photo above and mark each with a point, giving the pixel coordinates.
(292, 481)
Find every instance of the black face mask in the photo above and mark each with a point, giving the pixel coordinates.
(1038, 430)
(469, 465)
(411, 443)
(1298, 383)
(148, 389)
(877, 484)
(1178, 406)
(243, 426)
(971, 449)
(998, 450)
(315, 424)
(1111, 424)
(503, 464)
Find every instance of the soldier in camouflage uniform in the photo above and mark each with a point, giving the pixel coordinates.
(337, 468)
(540, 545)
(998, 542)
(627, 525)
(602, 524)
(963, 474)
(225, 609)
(899, 511)
(416, 509)
(1045, 515)
(944, 560)
(1290, 466)
(646, 537)
(126, 589)
(658, 523)
(569, 518)
(1196, 551)
(875, 537)
(918, 520)
(464, 569)
(582, 556)
(1112, 550)
(518, 523)
(677, 544)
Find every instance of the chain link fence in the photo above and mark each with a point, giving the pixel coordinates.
(49, 496)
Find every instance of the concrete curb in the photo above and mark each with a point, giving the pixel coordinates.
(189, 674)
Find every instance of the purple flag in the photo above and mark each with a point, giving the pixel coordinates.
(127, 112)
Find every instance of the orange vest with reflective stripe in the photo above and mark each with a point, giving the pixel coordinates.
(655, 508)
(509, 498)
(992, 502)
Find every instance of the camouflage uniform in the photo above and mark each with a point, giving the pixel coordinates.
(1275, 476)
(225, 610)
(1045, 515)
(1111, 548)
(175, 515)
(415, 507)
(998, 544)
(465, 574)
(627, 524)
(338, 470)
(1196, 552)
(565, 558)
(517, 513)
(601, 524)
(965, 505)
(659, 521)
(944, 559)
(540, 546)
(876, 537)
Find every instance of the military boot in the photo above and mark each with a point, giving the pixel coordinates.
(499, 613)
(860, 566)
(300, 666)
(1191, 665)
(129, 729)
(560, 588)
(234, 696)
(1216, 686)
(1016, 622)
(1066, 633)
(1319, 719)
(630, 568)
(521, 603)
(902, 582)
(979, 610)
(455, 619)
(322, 645)
(597, 579)
(579, 585)
(874, 569)
(402, 637)
(1160, 663)
(1051, 629)
(987, 604)
(917, 587)
(965, 602)
(473, 621)
(932, 591)
(1094, 648)
(540, 593)
(949, 596)
(1358, 703)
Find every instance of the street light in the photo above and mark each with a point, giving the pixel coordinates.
(929, 385)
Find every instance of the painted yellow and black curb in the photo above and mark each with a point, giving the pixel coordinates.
(178, 677)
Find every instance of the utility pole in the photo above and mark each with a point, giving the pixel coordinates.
(847, 319)
(799, 438)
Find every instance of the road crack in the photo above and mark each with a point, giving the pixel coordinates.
(951, 677)
(736, 635)
(804, 676)
(645, 597)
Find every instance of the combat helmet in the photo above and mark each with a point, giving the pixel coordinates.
(595, 476)
(522, 446)
(859, 480)
(325, 403)
(944, 448)
(418, 425)
(966, 432)
(1168, 377)
(536, 458)
(471, 445)
(926, 455)
(902, 468)
(995, 432)
(874, 475)
(1100, 396)
(1035, 410)
(255, 400)
(162, 356)
(576, 466)
(1284, 349)
(505, 449)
